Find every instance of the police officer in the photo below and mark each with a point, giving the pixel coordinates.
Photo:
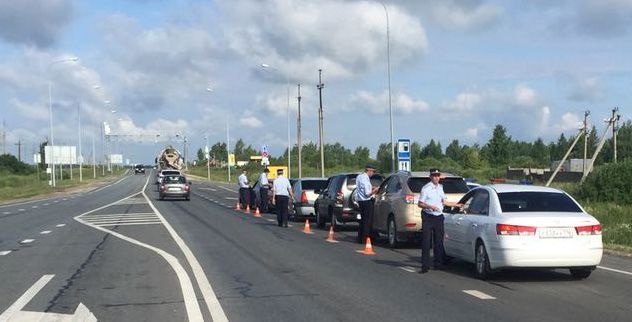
(282, 191)
(244, 189)
(364, 193)
(431, 201)
(264, 185)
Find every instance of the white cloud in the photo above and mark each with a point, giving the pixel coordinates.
(588, 89)
(251, 122)
(378, 103)
(344, 38)
(34, 22)
(525, 96)
(472, 133)
(455, 14)
(464, 102)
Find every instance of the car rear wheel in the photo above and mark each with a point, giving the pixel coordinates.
(334, 220)
(392, 233)
(580, 273)
(481, 266)
(320, 221)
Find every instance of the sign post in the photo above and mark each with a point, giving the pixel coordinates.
(403, 154)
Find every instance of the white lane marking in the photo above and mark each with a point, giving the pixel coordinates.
(6, 213)
(270, 220)
(27, 241)
(188, 292)
(21, 209)
(479, 294)
(211, 189)
(93, 191)
(119, 221)
(65, 199)
(5, 252)
(45, 232)
(56, 201)
(614, 270)
(231, 198)
(60, 225)
(26, 297)
(131, 224)
(46, 204)
(231, 190)
(34, 207)
(212, 303)
(408, 269)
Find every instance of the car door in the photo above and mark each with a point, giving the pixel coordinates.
(453, 226)
(474, 224)
(379, 216)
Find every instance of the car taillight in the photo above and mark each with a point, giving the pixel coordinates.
(503, 229)
(186, 187)
(409, 199)
(339, 197)
(162, 188)
(303, 197)
(588, 230)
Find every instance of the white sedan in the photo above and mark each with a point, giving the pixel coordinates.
(506, 225)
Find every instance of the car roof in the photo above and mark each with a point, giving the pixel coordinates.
(426, 174)
(500, 188)
(311, 178)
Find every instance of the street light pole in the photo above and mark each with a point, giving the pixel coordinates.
(208, 159)
(320, 87)
(388, 64)
(298, 133)
(80, 150)
(94, 160)
(228, 148)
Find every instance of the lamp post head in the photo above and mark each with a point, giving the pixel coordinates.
(208, 89)
(264, 65)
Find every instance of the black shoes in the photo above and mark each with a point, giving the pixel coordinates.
(424, 270)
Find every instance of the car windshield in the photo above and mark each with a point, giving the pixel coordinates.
(450, 185)
(351, 181)
(314, 184)
(533, 201)
(174, 180)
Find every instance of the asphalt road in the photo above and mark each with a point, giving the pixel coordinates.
(123, 255)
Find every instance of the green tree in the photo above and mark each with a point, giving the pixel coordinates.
(218, 152)
(384, 158)
(200, 155)
(361, 156)
(472, 158)
(496, 151)
(454, 151)
(540, 153)
(239, 150)
(432, 150)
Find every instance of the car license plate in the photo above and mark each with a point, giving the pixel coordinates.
(174, 189)
(555, 232)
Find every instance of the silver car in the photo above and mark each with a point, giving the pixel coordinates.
(174, 187)
(306, 191)
(168, 172)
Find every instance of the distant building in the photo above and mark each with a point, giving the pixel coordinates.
(571, 165)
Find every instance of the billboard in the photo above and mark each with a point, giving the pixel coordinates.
(116, 158)
(60, 154)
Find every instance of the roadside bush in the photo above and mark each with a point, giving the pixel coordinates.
(611, 182)
(9, 164)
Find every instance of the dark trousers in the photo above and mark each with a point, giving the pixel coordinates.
(431, 226)
(365, 229)
(281, 209)
(263, 196)
(244, 197)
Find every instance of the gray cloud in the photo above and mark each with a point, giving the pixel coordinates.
(604, 17)
(454, 14)
(34, 22)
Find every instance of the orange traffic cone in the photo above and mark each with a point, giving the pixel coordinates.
(307, 229)
(368, 248)
(330, 235)
(257, 213)
(247, 210)
(237, 207)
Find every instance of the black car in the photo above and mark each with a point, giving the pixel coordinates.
(139, 168)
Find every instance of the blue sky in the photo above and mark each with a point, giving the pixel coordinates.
(458, 68)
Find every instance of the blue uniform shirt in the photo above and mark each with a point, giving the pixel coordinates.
(364, 187)
(243, 181)
(432, 195)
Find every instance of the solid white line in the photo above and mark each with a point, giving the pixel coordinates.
(614, 270)
(61, 225)
(188, 292)
(479, 294)
(231, 190)
(5, 252)
(130, 223)
(27, 241)
(25, 298)
(111, 221)
(212, 303)
(408, 269)
(45, 232)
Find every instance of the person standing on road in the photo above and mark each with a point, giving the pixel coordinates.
(282, 191)
(244, 189)
(432, 199)
(364, 194)
(264, 185)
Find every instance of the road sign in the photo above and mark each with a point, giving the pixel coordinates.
(403, 154)
(61, 154)
(264, 150)
(231, 160)
(265, 161)
(116, 158)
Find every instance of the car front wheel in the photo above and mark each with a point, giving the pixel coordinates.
(482, 268)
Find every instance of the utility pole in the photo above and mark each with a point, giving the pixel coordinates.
(320, 87)
(298, 133)
(228, 148)
(94, 160)
(615, 119)
(80, 150)
(586, 113)
(19, 145)
(599, 147)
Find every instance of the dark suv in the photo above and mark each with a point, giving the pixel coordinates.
(334, 204)
(139, 168)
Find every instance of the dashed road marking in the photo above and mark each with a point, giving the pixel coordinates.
(5, 252)
(6, 213)
(230, 198)
(34, 207)
(614, 270)
(45, 232)
(27, 241)
(231, 190)
(65, 199)
(46, 204)
(21, 209)
(60, 225)
(56, 201)
(270, 220)
(408, 269)
(479, 294)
